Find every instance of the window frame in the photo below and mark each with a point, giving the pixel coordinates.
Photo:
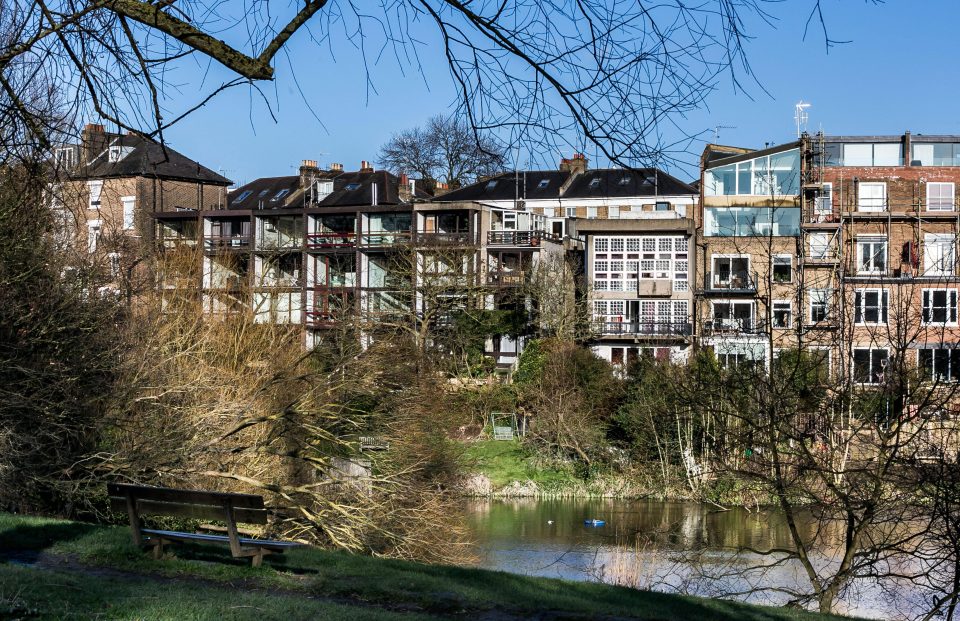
(927, 307)
(827, 294)
(860, 306)
(788, 323)
(863, 241)
(129, 217)
(869, 207)
(773, 266)
(952, 200)
(874, 378)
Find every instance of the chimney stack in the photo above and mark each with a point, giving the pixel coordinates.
(309, 171)
(93, 141)
(575, 165)
(336, 167)
(366, 167)
(404, 188)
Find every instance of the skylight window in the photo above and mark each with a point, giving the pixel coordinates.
(625, 180)
(595, 183)
(351, 187)
(243, 196)
(280, 195)
(491, 184)
(543, 184)
(262, 194)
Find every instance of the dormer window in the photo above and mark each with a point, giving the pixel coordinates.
(116, 153)
(491, 184)
(543, 184)
(595, 183)
(64, 157)
(280, 195)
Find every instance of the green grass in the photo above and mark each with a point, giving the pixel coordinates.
(506, 461)
(96, 572)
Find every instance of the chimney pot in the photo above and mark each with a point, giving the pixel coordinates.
(336, 167)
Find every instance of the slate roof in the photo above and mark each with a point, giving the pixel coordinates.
(350, 189)
(147, 158)
(533, 184)
(622, 183)
(262, 193)
(546, 184)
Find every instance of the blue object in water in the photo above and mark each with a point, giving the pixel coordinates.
(594, 522)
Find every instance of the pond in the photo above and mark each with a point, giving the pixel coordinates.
(665, 546)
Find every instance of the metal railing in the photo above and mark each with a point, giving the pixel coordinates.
(177, 241)
(733, 326)
(331, 239)
(519, 238)
(459, 238)
(227, 242)
(644, 328)
(292, 243)
(507, 279)
(385, 238)
(734, 281)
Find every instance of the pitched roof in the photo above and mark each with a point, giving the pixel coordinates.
(531, 184)
(350, 189)
(142, 157)
(620, 182)
(264, 193)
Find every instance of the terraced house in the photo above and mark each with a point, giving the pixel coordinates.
(107, 189)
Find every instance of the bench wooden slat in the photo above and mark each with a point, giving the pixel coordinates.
(270, 544)
(199, 512)
(166, 494)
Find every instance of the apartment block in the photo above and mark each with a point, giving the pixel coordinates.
(879, 251)
(748, 231)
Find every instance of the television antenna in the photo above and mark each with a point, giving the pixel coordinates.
(716, 132)
(801, 116)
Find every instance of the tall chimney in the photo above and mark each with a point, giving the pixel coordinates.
(575, 165)
(366, 167)
(93, 142)
(309, 171)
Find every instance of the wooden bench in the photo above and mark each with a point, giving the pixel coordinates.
(137, 500)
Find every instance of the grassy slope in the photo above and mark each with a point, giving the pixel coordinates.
(306, 584)
(505, 462)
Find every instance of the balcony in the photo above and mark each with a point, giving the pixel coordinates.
(734, 326)
(459, 238)
(226, 243)
(383, 239)
(171, 242)
(525, 239)
(644, 328)
(290, 244)
(736, 282)
(507, 278)
(330, 239)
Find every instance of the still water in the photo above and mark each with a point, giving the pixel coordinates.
(663, 546)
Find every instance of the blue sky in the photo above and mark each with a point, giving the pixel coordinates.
(893, 75)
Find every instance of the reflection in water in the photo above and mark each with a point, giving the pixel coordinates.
(660, 545)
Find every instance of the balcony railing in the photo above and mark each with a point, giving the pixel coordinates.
(385, 238)
(174, 241)
(507, 279)
(331, 240)
(644, 328)
(227, 242)
(519, 238)
(733, 327)
(268, 244)
(736, 282)
(460, 238)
